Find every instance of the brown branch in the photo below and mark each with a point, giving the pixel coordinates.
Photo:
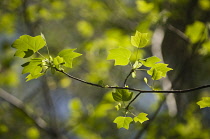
(134, 89)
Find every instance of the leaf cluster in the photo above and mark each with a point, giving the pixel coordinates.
(27, 46)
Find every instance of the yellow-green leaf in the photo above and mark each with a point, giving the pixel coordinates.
(142, 117)
(34, 67)
(30, 77)
(150, 62)
(123, 122)
(68, 56)
(120, 55)
(139, 40)
(158, 71)
(58, 60)
(27, 45)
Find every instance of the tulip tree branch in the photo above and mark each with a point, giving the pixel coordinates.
(134, 89)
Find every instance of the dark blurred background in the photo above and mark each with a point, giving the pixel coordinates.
(56, 107)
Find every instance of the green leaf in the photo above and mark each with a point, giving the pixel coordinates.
(30, 77)
(142, 117)
(117, 96)
(205, 102)
(27, 45)
(151, 61)
(123, 122)
(58, 61)
(68, 56)
(158, 71)
(139, 40)
(34, 68)
(122, 95)
(120, 55)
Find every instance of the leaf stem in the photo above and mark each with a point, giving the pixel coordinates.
(48, 52)
(41, 54)
(127, 107)
(132, 70)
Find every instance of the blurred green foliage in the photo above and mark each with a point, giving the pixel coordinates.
(94, 27)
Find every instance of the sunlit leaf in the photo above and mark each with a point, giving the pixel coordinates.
(158, 71)
(139, 40)
(34, 67)
(27, 45)
(68, 56)
(122, 95)
(205, 102)
(123, 122)
(120, 55)
(142, 117)
(150, 62)
(58, 61)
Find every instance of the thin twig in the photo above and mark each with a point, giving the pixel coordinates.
(75, 78)
(134, 89)
(127, 107)
(132, 70)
